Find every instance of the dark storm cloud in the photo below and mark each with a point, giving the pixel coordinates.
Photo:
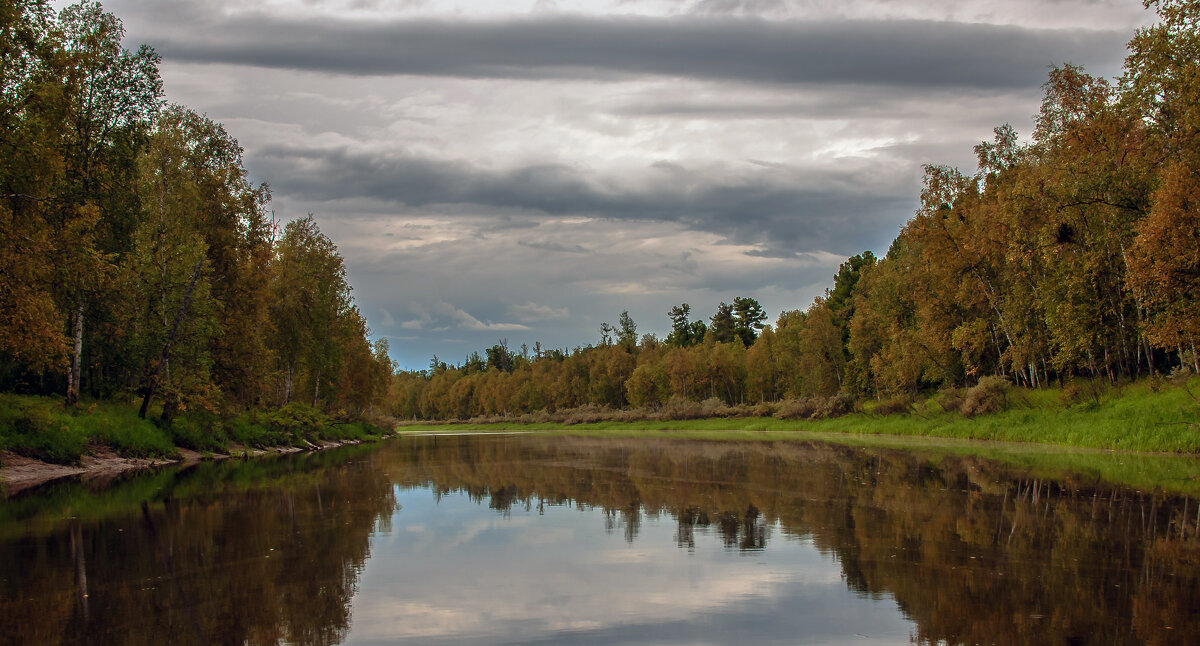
(837, 210)
(902, 53)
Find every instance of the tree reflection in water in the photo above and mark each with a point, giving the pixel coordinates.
(972, 551)
(272, 552)
(255, 553)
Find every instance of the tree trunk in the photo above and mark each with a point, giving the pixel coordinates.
(76, 357)
(81, 581)
(287, 384)
(316, 387)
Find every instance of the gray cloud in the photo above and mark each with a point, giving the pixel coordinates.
(793, 211)
(738, 7)
(532, 312)
(552, 246)
(444, 316)
(909, 52)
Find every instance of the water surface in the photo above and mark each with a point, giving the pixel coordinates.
(499, 540)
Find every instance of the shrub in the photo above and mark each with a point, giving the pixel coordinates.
(950, 399)
(713, 407)
(1085, 393)
(836, 406)
(681, 408)
(245, 430)
(536, 417)
(586, 414)
(295, 423)
(350, 430)
(763, 409)
(199, 432)
(895, 404)
(989, 396)
(801, 408)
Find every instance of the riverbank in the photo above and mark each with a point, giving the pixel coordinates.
(102, 464)
(1148, 416)
(41, 440)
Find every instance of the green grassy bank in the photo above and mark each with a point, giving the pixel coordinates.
(42, 428)
(1147, 416)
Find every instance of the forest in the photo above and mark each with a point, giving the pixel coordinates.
(1073, 255)
(141, 267)
(139, 264)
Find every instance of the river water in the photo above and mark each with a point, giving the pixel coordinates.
(560, 540)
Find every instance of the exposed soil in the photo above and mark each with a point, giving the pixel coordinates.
(101, 464)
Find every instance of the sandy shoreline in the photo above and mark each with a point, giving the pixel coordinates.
(18, 473)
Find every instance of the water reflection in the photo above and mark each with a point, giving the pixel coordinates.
(255, 553)
(528, 540)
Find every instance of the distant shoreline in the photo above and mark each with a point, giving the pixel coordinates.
(1140, 418)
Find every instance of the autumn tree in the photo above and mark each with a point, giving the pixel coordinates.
(166, 278)
(1162, 83)
(1165, 263)
(31, 323)
(107, 93)
(310, 295)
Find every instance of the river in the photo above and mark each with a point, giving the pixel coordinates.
(568, 540)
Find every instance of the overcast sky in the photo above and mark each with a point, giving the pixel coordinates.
(526, 170)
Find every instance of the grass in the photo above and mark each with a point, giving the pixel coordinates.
(1148, 416)
(42, 428)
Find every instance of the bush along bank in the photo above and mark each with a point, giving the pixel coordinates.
(42, 428)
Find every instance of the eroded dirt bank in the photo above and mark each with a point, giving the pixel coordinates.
(18, 473)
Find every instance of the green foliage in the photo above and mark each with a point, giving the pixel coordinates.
(247, 431)
(39, 428)
(626, 330)
(117, 426)
(649, 385)
(42, 428)
(749, 316)
(722, 326)
(298, 423)
(199, 432)
(499, 357)
(684, 332)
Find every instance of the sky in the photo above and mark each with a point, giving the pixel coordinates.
(528, 169)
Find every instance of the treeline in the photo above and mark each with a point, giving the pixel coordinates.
(1075, 254)
(136, 256)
